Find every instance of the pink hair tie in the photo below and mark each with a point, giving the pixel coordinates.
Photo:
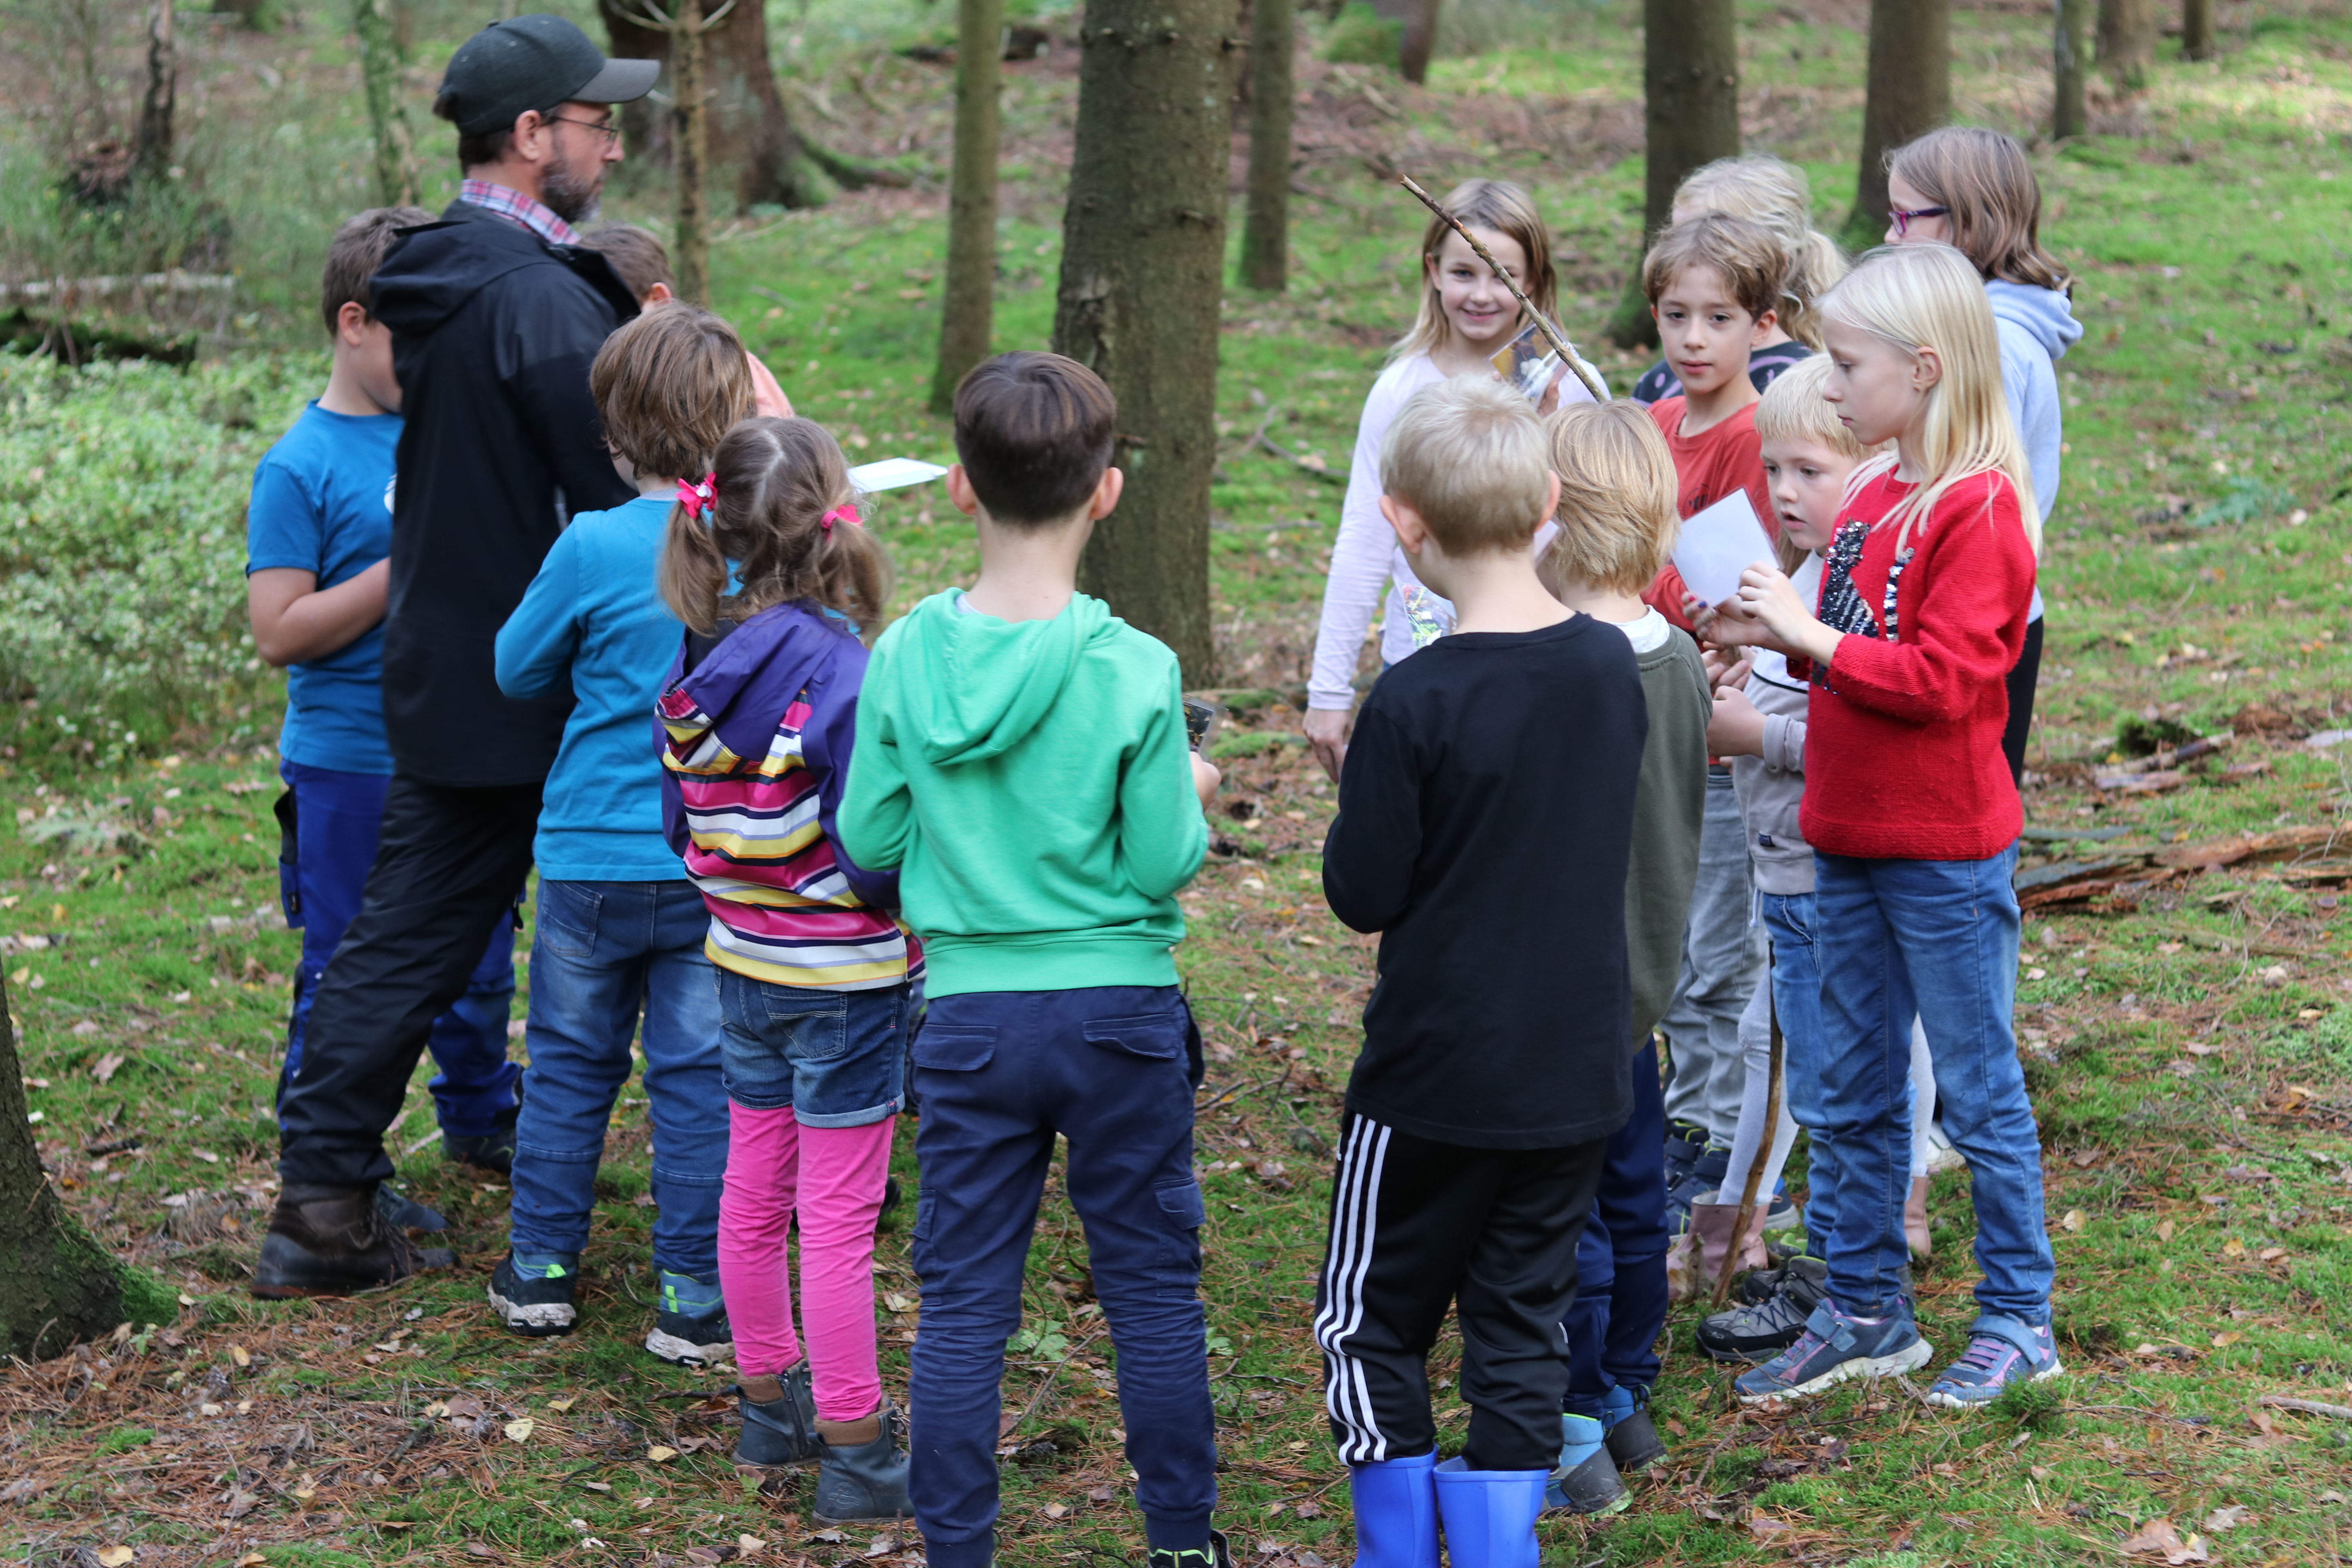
(697, 497)
(841, 514)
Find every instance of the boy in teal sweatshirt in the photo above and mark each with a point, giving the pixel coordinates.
(1021, 761)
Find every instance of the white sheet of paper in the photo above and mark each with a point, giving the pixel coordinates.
(1719, 543)
(894, 474)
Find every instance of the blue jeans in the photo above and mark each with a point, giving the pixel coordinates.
(604, 953)
(835, 1059)
(1621, 1259)
(997, 1075)
(1935, 939)
(1797, 999)
(323, 864)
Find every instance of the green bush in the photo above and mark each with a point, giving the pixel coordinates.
(1358, 36)
(122, 490)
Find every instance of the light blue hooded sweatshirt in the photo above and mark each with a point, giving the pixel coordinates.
(2037, 326)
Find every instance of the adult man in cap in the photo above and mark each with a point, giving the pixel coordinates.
(495, 314)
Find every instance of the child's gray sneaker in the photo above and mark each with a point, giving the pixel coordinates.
(1834, 1347)
(2001, 1351)
(779, 1420)
(861, 1479)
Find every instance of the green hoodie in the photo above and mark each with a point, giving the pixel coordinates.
(1028, 780)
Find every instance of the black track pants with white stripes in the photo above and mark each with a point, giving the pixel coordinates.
(1417, 1226)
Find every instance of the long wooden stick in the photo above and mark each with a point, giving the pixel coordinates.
(1559, 345)
(1756, 1167)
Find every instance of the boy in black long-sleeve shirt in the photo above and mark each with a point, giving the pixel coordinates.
(1485, 813)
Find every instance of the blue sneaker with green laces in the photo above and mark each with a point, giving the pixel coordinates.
(1836, 1346)
(690, 1322)
(2001, 1351)
(532, 1292)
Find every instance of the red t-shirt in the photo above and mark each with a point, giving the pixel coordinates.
(1726, 456)
(1902, 758)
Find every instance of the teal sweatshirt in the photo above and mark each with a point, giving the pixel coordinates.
(1029, 781)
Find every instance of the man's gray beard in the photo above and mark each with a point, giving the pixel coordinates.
(567, 194)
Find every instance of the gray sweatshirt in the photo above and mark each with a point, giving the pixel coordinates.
(1771, 786)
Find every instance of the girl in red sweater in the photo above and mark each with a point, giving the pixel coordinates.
(1914, 818)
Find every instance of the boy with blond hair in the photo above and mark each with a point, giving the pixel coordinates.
(1485, 815)
(1715, 284)
(1617, 526)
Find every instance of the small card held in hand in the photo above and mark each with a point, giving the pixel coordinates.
(1719, 543)
(1527, 363)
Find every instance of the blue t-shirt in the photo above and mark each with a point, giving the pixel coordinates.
(594, 617)
(322, 504)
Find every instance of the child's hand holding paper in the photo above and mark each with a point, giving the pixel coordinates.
(1718, 542)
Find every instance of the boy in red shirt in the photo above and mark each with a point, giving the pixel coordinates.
(1714, 283)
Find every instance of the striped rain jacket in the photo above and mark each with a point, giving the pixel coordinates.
(756, 725)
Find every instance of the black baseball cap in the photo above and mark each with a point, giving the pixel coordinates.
(532, 62)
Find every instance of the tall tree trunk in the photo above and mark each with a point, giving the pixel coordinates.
(151, 146)
(2196, 29)
(1909, 94)
(1143, 250)
(1420, 40)
(1690, 116)
(2126, 42)
(753, 146)
(380, 63)
(2070, 61)
(968, 304)
(690, 149)
(1266, 233)
(56, 1285)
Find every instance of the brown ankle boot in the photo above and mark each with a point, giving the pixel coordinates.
(332, 1241)
(1915, 1220)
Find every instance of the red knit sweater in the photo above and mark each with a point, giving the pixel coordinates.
(1903, 756)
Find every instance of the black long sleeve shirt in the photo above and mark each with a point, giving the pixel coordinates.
(1485, 820)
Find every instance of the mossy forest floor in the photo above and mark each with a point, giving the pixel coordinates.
(2185, 1009)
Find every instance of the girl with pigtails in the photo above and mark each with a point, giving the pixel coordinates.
(768, 565)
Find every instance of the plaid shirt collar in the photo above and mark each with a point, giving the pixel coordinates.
(514, 205)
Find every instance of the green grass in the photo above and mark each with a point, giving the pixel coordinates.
(2190, 1055)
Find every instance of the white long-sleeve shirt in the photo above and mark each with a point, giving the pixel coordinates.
(1366, 554)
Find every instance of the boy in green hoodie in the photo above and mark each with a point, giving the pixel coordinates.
(1022, 762)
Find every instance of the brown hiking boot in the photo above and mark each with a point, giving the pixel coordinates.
(333, 1241)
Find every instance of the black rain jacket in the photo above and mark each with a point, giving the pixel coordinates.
(493, 332)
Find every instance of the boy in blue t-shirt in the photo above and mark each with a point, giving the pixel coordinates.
(318, 533)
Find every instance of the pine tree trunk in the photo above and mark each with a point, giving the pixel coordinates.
(690, 152)
(968, 304)
(152, 145)
(1909, 93)
(752, 145)
(2070, 60)
(2126, 42)
(1143, 245)
(1690, 86)
(1420, 40)
(56, 1285)
(2196, 29)
(380, 63)
(1266, 233)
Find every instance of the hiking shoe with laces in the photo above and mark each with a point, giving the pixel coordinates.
(407, 1212)
(1834, 1347)
(333, 1241)
(2001, 1351)
(492, 1152)
(690, 1323)
(1685, 1141)
(1767, 1328)
(1218, 1554)
(533, 1296)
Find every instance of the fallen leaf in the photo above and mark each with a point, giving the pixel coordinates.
(1057, 1511)
(1764, 1527)
(107, 1065)
(2073, 1221)
(240, 1355)
(520, 1431)
(114, 1556)
(661, 1454)
(748, 1544)
(898, 1303)
(251, 1560)
(2159, 1536)
(2229, 1518)
(2164, 1232)
(2234, 1248)
(883, 1546)
(435, 1410)
(565, 1404)
(830, 1537)
(242, 1503)
(2200, 1048)
(2271, 1253)
(480, 1549)
(465, 1405)
(2223, 1341)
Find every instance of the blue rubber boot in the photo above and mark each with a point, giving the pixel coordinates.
(1396, 1513)
(1585, 1480)
(1490, 1515)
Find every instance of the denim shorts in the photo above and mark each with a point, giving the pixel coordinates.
(836, 1058)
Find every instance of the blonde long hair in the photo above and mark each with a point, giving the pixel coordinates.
(1762, 189)
(1919, 297)
(1505, 209)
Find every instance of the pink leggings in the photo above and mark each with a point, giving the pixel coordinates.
(833, 1177)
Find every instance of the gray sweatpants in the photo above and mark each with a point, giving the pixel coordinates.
(1723, 962)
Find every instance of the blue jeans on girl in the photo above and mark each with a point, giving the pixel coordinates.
(1797, 998)
(604, 953)
(322, 867)
(1935, 939)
